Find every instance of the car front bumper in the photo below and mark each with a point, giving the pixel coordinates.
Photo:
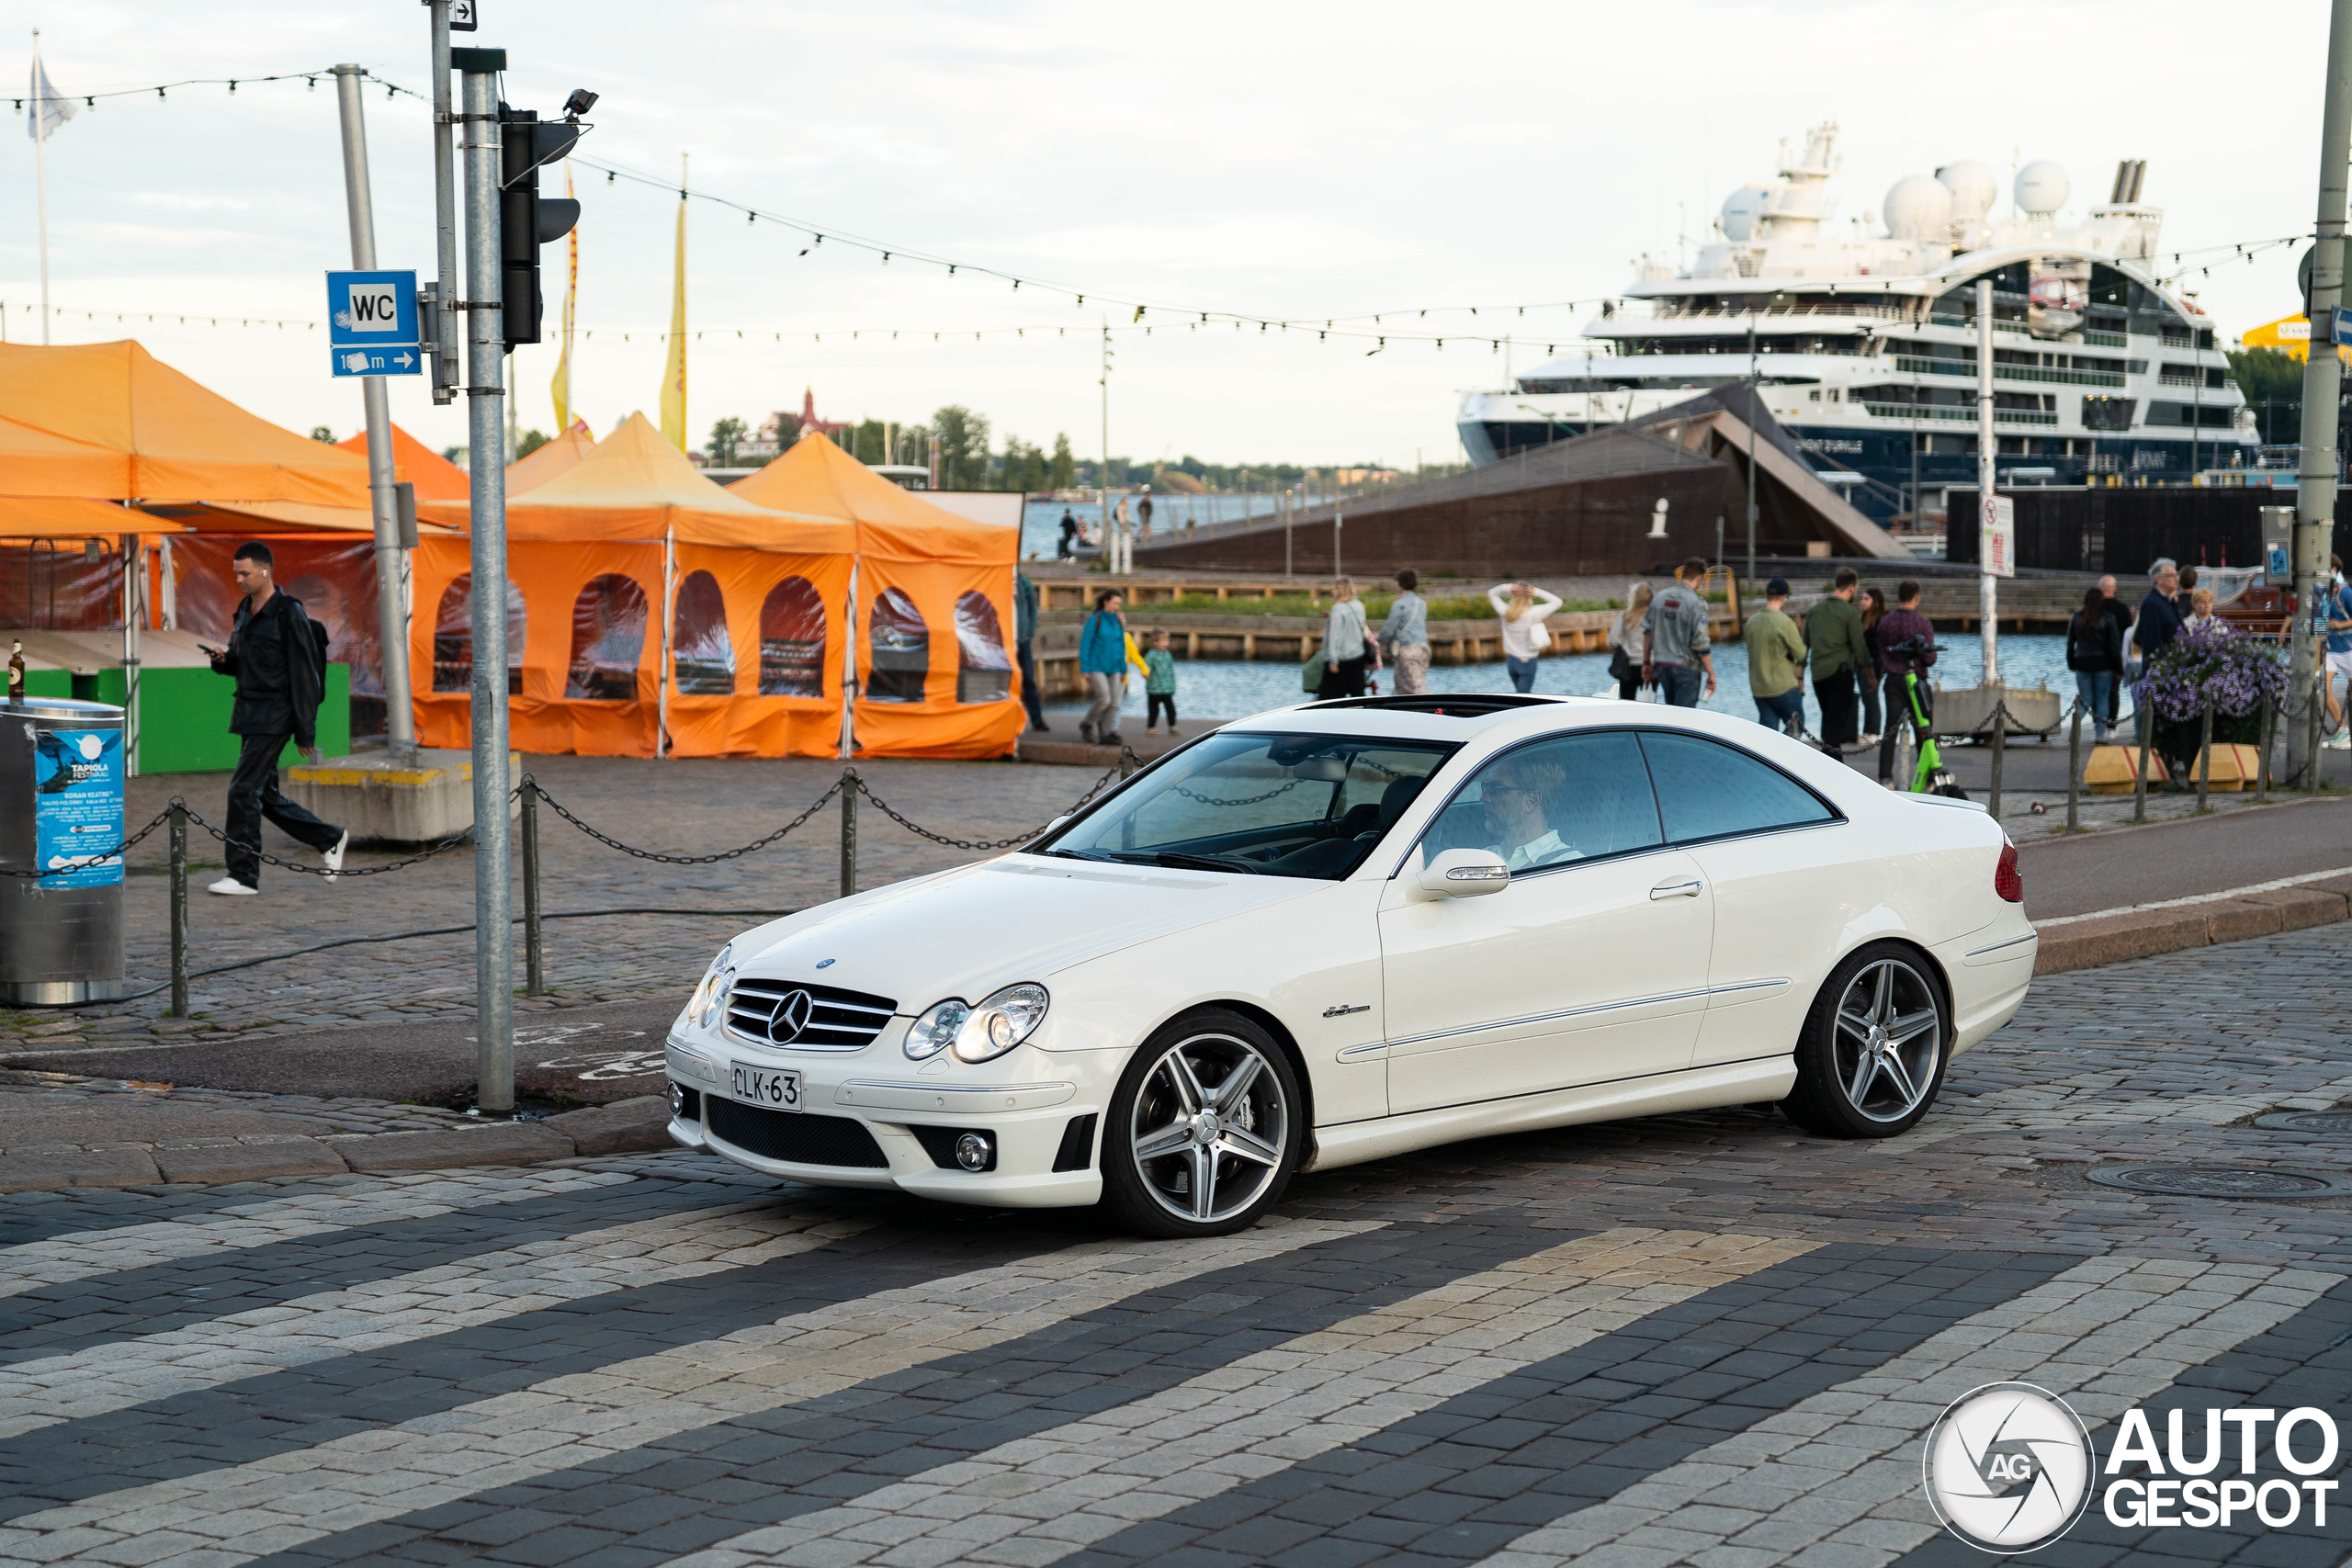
(1043, 1110)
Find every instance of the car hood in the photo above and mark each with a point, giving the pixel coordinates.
(967, 932)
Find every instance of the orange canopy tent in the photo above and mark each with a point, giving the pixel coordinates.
(108, 420)
(434, 476)
(550, 459)
(919, 567)
(67, 517)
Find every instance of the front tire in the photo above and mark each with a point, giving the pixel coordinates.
(1873, 1054)
(1204, 1129)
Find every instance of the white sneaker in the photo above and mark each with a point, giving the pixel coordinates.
(230, 888)
(2341, 742)
(1869, 740)
(334, 857)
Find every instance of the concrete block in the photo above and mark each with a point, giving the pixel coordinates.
(622, 1127)
(2114, 939)
(42, 1171)
(2234, 919)
(222, 1163)
(407, 803)
(496, 1143)
(2301, 906)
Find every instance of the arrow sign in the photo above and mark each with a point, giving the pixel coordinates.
(346, 359)
(404, 359)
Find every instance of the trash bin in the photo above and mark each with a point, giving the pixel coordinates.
(61, 802)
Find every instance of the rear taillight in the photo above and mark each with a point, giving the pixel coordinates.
(2007, 881)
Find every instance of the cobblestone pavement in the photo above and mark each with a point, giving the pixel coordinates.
(1704, 1339)
(684, 807)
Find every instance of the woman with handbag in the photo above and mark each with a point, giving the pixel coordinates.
(1347, 648)
(1523, 607)
(1625, 645)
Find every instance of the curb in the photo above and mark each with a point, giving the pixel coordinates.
(625, 1126)
(2114, 939)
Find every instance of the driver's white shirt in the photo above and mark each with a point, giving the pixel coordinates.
(1546, 850)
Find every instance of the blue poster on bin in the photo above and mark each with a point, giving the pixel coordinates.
(77, 805)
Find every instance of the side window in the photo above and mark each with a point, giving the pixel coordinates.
(901, 650)
(792, 640)
(453, 637)
(702, 655)
(607, 639)
(1574, 798)
(1709, 790)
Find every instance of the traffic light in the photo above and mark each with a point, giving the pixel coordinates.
(527, 219)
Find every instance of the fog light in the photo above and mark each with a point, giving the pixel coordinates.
(972, 1151)
(677, 1100)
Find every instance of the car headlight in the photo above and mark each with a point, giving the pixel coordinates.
(703, 1006)
(935, 1030)
(978, 1033)
(1001, 1023)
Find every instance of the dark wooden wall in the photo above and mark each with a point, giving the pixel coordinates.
(2121, 529)
(1586, 527)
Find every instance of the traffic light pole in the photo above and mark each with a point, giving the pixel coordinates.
(392, 613)
(485, 398)
(2322, 377)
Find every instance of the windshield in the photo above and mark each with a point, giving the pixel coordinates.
(1267, 805)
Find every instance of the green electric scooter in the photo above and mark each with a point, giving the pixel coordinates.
(1930, 776)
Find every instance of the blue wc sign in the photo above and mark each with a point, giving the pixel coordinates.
(372, 323)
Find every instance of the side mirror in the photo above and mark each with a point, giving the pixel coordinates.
(1464, 873)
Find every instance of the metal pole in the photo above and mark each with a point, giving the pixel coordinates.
(2145, 722)
(179, 909)
(849, 831)
(2205, 752)
(391, 619)
(2262, 756)
(485, 397)
(2316, 477)
(2313, 771)
(2000, 750)
(1110, 552)
(1289, 511)
(1988, 620)
(444, 208)
(2074, 772)
(535, 968)
(41, 185)
(1338, 521)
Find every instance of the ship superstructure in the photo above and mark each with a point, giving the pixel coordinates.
(1864, 345)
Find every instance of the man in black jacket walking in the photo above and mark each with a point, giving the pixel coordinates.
(278, 654)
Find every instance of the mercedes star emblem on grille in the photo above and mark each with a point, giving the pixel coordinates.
(791, 1016)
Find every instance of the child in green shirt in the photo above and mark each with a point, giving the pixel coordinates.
(1159, 684)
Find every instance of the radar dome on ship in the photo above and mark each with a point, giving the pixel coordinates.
(1741, 209)
(1973, 188)
(2042, 187)
(1917, 209)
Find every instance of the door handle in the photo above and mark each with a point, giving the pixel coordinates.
(1676, 890)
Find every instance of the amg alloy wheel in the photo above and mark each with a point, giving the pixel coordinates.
(1204, 1131)
(1874, 1051)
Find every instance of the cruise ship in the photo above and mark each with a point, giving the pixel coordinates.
(1864, 345)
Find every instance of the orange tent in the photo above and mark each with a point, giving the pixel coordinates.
(919, 567)
(108, 420)
(64, 517)
(434, 476)
(565, 450)
(633, 582)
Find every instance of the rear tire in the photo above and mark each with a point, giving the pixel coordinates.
(1874, 1048)
(1205, 1128)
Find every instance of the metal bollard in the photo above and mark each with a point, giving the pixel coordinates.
(849, 831)
(179, 909)
(2318, 702)
(535, 968)
(2205, 757)
(2074, 772)
(2000, 745)
(2262, 759)
(2145, 722)
(1126, 763)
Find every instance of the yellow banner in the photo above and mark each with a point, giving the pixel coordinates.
(673, 368)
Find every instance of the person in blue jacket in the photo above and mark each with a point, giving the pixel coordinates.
(1103, 659)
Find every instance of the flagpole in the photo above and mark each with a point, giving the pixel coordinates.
(41, 180)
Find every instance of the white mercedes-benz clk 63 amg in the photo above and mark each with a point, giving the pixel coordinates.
(1346, 930)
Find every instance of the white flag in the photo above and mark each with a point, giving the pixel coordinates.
(47, 110)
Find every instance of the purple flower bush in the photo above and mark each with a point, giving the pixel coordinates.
(2212, 665)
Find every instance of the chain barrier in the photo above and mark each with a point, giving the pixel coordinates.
(268, 859)
(612, 844)
(84, 862)
(1127, 755)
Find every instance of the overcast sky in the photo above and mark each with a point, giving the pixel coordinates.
(1277, 159)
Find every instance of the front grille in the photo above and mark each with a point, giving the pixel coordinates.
(805, 1017)
(794, 1137)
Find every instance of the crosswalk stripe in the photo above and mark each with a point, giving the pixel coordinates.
(405, 1308)
(85, 1254)
(1839, 1472)
(234, 1513)
(1078, 1483)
